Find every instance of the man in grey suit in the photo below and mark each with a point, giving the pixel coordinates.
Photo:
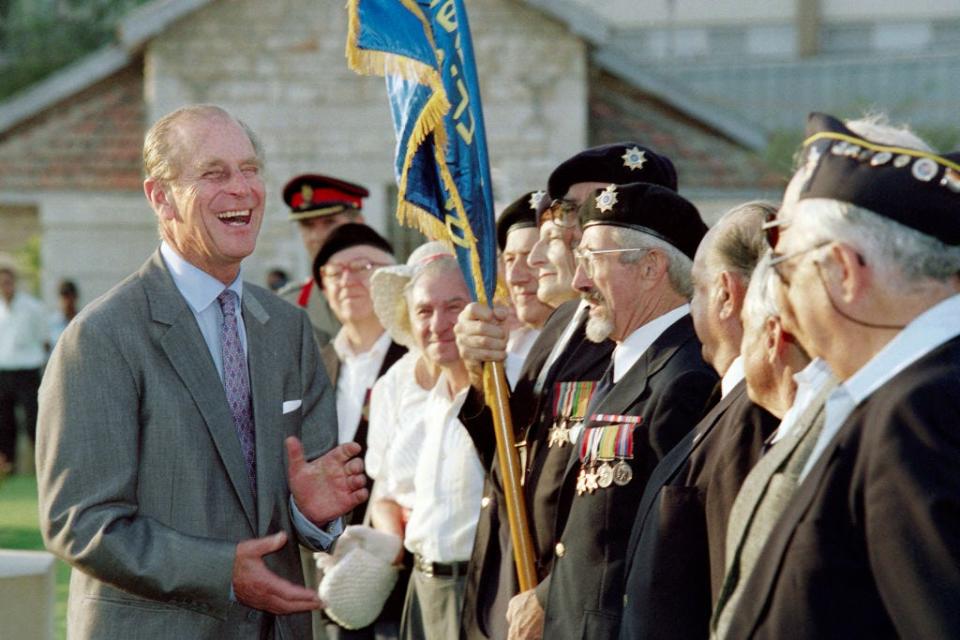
(165, 411)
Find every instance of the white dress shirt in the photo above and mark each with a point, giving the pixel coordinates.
(200, 290)
(626, 353)
(23, 332)
(448, 483)
(732, 377)
(518, 346)
(810, 380)
(398, 411)
(926, 332)
(358, 372)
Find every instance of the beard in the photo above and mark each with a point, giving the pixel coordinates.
(599, 324)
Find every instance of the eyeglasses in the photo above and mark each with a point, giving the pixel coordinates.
(771, 229)
(360, 266)
(777, 260)
(562, 213)
(585, 257)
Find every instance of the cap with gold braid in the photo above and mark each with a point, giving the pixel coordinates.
(312, 195)
(918, 189)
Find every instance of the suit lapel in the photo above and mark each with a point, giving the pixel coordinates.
(182, 343)
(266, 387)
(674, 461)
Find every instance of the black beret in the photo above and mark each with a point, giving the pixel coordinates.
(918, 189)
(619, 163)
(650, 208)
(311, 195)
(520, 214)
(343, 237)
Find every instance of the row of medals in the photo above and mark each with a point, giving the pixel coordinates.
(600, 476)
(563, 432)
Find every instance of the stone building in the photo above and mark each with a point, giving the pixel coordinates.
(70, 145)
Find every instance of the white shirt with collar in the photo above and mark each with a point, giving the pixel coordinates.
(811, 380)
(200, 290)
(926, 332)
(732, 377)
(358, 372)
(22, 333)
(518, 346)
(448, 483)
(626, 353)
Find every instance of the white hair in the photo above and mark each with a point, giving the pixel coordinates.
(679, 265)
(760, 303)
(901, 256)
(876, 127)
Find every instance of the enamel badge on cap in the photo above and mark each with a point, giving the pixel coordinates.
(607, 198)
(634, 158)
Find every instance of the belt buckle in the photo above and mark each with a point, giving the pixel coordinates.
(426, 568)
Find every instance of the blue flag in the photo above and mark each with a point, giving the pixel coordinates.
(443, 175)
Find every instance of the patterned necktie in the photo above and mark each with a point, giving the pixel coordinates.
(236, 382)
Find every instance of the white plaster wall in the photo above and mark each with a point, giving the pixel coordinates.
(280, 66)
(95, 240)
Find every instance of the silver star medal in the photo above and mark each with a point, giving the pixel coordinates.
(634, 158)
(535, 199)
(607, 198)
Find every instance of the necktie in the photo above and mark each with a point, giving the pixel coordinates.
(236, 382)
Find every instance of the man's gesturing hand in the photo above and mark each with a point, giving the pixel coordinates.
(256, 586)
(328, 487)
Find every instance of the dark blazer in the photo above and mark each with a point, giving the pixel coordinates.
(869, 546)
(668, 386)
(142, 483)
(675, 559)
(491, 580)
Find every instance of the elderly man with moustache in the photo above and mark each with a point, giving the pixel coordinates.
(633, 268)
(194, 382)
(675, 556)
(867, 253)
(555, 384)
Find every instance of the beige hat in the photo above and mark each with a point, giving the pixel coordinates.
(388, 283)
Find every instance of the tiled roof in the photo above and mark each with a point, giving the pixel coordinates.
(90, 141)
(704, 158)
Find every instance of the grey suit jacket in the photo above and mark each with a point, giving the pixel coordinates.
(142, 483)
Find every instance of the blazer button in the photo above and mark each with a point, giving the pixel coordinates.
(560, 550)
(485, 502)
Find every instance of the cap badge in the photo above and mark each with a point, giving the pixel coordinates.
(607, 198)
(901, 161)
(306, 191)
(634, 158)
(951, 180)
(535, 199)
(924, 169)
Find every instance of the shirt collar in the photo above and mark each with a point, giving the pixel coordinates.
(345, 351)
(732, 377)
(197, 287)
(626, 354)
(926, 332)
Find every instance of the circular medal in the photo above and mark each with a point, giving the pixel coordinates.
(924, 169)
(881, 158)
(605, 475)
(622, 473)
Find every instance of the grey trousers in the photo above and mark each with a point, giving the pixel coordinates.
(432, 608)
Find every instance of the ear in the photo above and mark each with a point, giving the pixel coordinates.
(846, 274)
(160, 199)
(728, 295)
(775, 340)
(654, 265)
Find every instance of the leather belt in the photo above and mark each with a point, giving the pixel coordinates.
(442, 569)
